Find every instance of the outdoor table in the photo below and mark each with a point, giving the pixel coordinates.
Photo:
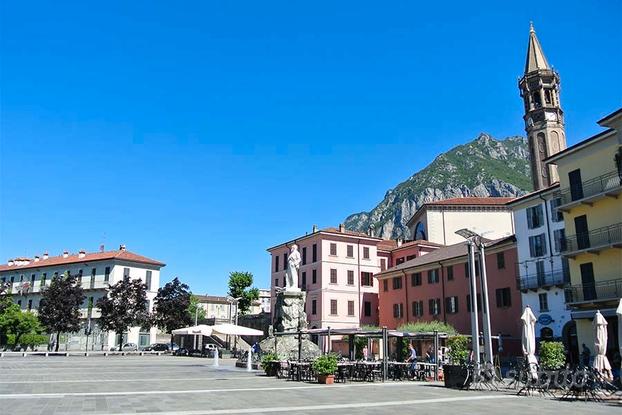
(398, 370)
(344, 371)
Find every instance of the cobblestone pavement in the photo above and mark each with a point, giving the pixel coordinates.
(192, 386)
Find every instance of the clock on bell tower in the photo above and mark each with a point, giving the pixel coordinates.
(544, 118)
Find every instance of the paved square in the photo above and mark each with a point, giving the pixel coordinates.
(192, 386)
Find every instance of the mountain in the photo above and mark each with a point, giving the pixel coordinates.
(483, 167)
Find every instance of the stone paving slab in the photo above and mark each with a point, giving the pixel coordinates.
(186, 386)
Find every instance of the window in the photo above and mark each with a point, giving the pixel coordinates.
(107, 274)
(537, 245)
(284, 261)
(450, 273)
(535, 217)
(126, 272)
(417, 307)
(504, 297)
(276, 263)
(276, 282)
(350, 277)
(350, 252)
(433, 276)
(93, 272)
(409, 257)
(333, 307)
(29, 305)
(383, 264)
(367, 308)
(333, 249)
(350, 308)
(385, 285)
(435, 306)
(314, 276)
(415, 279)
(19, 303)
(43, 278)
(399, 261)
(398, 310)
(314, 252)
(304, 255)
(451, 305)
(576, 186)
(32, 279)
(148, 280)
(500, 260)
(365, 252)
(367, 279)
(479, 302)
(304, 279)
(543, 299)
(314, 307)
(397, 283)
(560, 239)
(333, 276)
(556, 215)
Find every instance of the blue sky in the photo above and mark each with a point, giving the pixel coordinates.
(201, 133)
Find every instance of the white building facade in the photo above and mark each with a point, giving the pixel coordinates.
(543, 272)
(28, 277)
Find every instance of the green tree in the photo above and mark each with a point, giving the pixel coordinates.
(194, 310)
(239, 287)
(17, 323)
(59, 309)
(126, 305)
(171, 305)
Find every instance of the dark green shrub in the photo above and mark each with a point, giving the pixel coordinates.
(552, 355)
(325, 365)
(458, 349)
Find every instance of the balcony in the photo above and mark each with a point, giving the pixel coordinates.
(586, 193)
(593, 241)
(557, 278)
(597, 292)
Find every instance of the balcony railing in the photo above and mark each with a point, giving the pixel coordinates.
(597, 291)
(598, 185)
(543, 280)
(595, 239)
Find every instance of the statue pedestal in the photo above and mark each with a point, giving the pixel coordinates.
(290, 316)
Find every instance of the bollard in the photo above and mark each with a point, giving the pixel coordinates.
(249, 361)
(216, 357)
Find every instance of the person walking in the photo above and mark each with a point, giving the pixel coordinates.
(412, 359)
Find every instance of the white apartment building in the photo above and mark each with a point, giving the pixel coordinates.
(95, 271)
(543, 272)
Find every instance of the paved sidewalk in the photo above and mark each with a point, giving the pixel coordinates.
(192, 386)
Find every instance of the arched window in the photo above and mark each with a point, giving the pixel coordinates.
(546, 333)
(420, 232)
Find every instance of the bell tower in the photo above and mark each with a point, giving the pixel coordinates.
(544, 118)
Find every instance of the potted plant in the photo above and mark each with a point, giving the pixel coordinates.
(325, 367)
(269, 363)
(552, 358)
(455, 374)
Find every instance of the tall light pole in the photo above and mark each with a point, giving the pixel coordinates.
(475, 240)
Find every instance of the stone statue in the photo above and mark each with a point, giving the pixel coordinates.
(293, 265)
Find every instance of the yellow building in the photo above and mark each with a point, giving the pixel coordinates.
(590, 176)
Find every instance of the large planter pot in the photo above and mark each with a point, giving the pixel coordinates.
(326, 379)
(455, 376)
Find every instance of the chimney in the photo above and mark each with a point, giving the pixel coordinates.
(10, 262)
(400, 241)
(45, 255)
(342, 228)
(65, 254)
(81, 254)
(314, 228)
(36, 258)
(121, 247)
(101, 248)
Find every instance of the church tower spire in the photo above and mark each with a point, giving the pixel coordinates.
(544, 118)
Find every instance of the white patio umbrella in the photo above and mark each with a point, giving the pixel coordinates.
(601, 363)
(235, 330)
(201, 329)
(529, 340)
(619, 313)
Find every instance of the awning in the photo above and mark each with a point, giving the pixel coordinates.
(201, 329)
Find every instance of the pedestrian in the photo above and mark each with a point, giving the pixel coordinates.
(412, 359)
(365, 353)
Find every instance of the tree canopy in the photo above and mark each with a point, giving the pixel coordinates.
(240, 287)
(170, 310)
(16, 323)
(125, 306)
(59, 309)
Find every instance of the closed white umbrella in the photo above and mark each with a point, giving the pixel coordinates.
(529, 340)
(601, 363)
(619, 313)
